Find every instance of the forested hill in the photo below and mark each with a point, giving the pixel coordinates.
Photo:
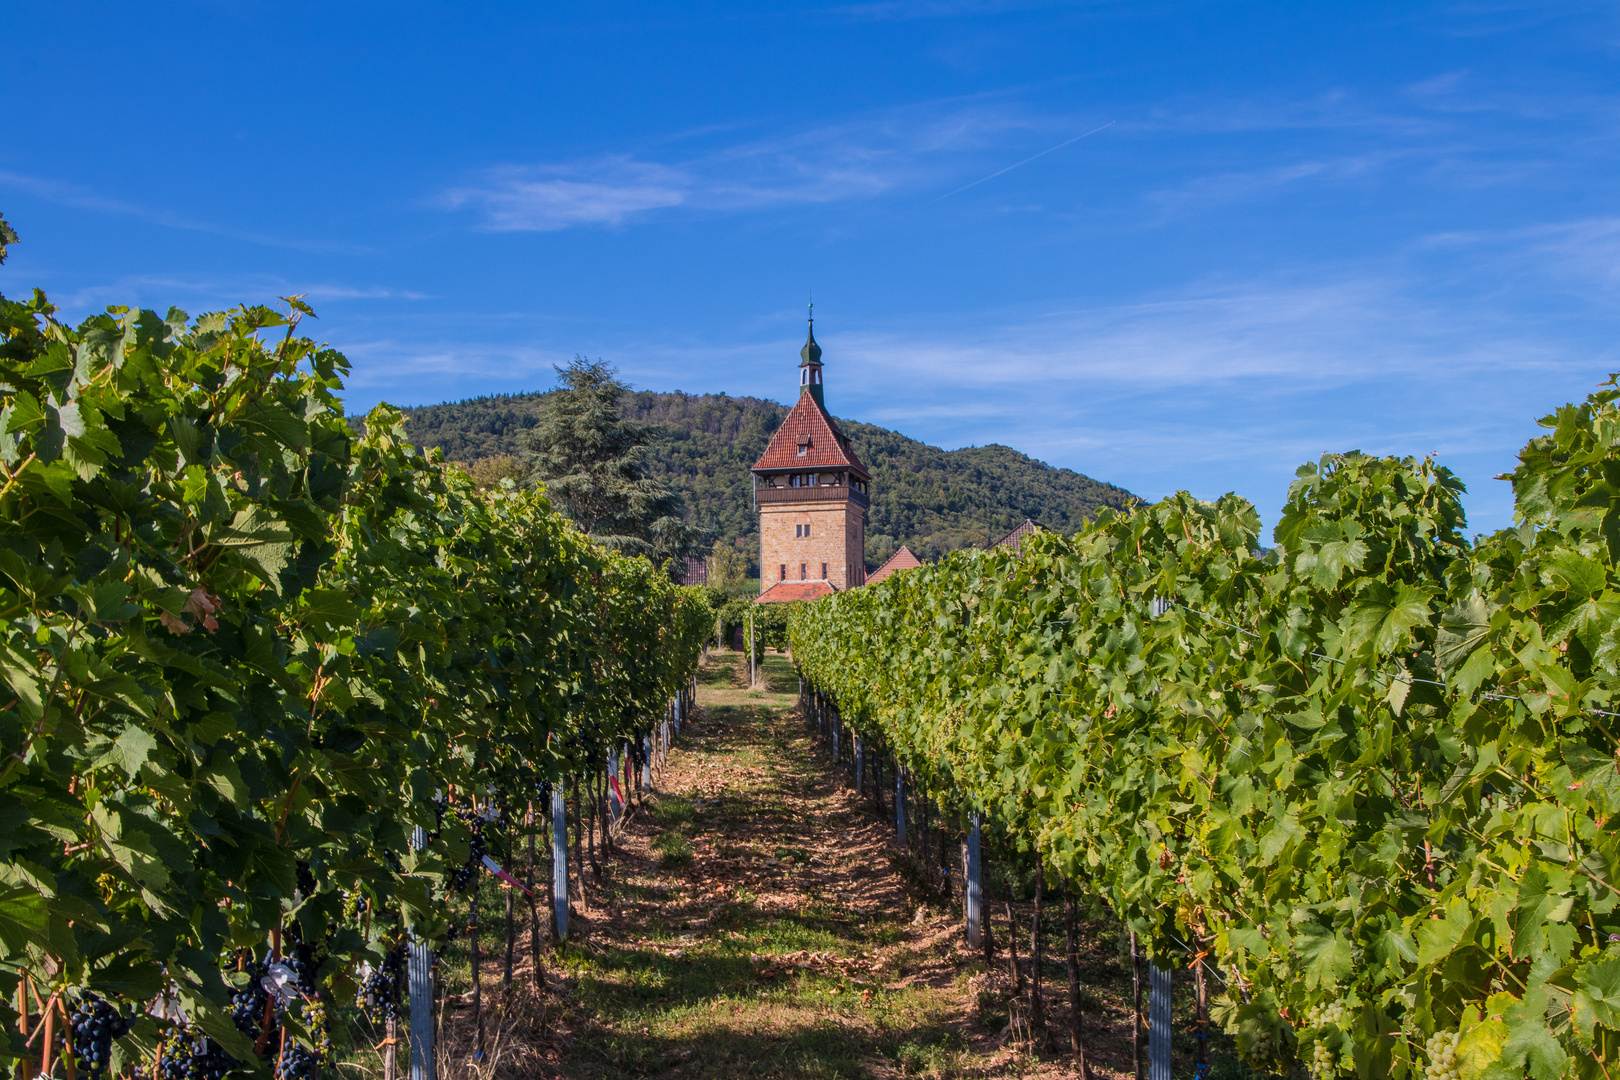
(931, 499)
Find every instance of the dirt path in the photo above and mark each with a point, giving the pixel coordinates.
(753, 923)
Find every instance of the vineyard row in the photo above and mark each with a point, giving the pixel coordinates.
(271, 678)
(1369, 772)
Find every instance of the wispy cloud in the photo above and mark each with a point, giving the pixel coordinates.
(894, 150)
(1223, 187)
(1320, 334)
(80, 197)
(1582, 257)
(942, 148)
(545, 198)
(213, 293)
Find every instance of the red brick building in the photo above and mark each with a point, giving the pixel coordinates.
(813, 494)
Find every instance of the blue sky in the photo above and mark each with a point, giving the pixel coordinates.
(1291, 228)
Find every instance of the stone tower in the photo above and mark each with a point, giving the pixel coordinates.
(813, 494)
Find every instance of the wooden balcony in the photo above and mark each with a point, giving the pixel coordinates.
(822, 493)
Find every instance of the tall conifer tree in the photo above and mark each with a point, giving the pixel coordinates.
(593, 464)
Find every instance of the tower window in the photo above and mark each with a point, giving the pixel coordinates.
(804, 572)
(784, 571)
(823, 571)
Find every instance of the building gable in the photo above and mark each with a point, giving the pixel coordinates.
(900, 560)
(809, 427)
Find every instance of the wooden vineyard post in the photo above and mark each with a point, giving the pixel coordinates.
(899, 805)
(582, 787)
(719, 632)
(559, 862)
(860, 763)
(1136, 1010)
(420, 974)
(646, 762)
(511, 924)
(1158, 1023)
(1012, 940)
(23, 984)
(1201, 1062)
(1071, 945)
(973, 890)
(534, 910)
(477, 983)
(753, 675)
(1037, 1004)
(837, 760)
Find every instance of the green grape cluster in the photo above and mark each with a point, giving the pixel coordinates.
(1263, 1050)
(319, 1029)
(1324, 1065)
(1331, 1015)
(1441, 1048)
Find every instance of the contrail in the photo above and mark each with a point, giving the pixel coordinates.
(1026, 161)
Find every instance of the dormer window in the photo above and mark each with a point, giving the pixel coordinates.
(804, 445)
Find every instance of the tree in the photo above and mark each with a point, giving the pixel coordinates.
(488, 472)
(728, 567)
(7, 236)
(593, 463)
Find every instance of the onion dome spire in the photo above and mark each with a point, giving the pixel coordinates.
(810, 362)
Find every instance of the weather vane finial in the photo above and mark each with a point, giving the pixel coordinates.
(812, 307)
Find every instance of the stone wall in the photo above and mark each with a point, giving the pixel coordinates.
(836, 540)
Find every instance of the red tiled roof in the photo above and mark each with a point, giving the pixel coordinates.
(783, 591)
(900, 560)
(1016, 538)
(828, 448)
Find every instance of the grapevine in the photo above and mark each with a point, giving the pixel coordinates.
(1369, 768)
(246, 642)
